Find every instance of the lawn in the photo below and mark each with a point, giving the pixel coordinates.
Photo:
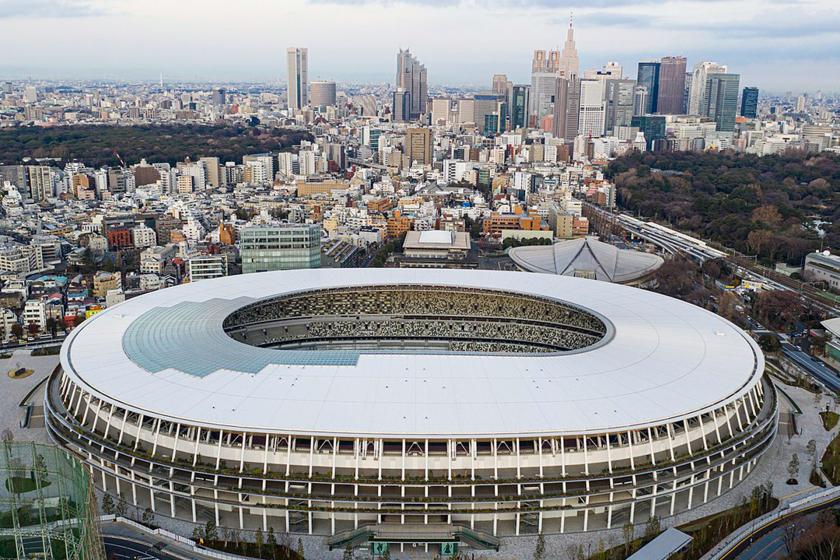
(829, 419)
(831, 461)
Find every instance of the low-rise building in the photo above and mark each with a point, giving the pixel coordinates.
(823, 267)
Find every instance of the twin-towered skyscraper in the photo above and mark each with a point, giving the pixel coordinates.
(412, 93)
(297, 64)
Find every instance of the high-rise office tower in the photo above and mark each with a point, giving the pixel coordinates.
(648, 76)
(671, 85)
(543, 91)
(698, 84)
(618, 97)
(485, 104)
(569, 62)
(500, 84)
(687, 92)
(561, 107)
(572, 109)
(640, 95)
(298, 67)
(591, 108)
(749, 102)
(218, 97)
(323, 94)
(418, 145)
(546, 66)
(411, 77)
(519, 106)
(402, 105)
(720, 101)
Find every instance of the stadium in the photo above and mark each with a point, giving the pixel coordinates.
(412, 405)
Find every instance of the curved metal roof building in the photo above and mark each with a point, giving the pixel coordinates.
(587, 257)
(345, 401)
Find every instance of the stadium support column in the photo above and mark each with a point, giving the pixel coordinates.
(402, 473)
(197, 441)
(687, 436)
(219, 449)
(139, 429)
(652, 452)
(242, 455)
(630, 449)
(703, 434)
(111, 408)
(175, 449)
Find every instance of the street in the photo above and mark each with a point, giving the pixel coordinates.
(816, 368)
(118, 548)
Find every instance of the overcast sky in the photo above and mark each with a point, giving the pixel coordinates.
(774, 44)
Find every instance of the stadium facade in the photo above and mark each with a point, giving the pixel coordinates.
(336, 402)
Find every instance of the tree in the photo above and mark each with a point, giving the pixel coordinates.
(653, 527)
(348, 552)
(211, 532)
(122, 507)
(769, 342)
(41, 471)
(793, 466)
(259, 541)
(17, 331)
(812, 450)
(107, 504)
(148, 518)
(300, 551)
(7, 436)
(52, 326)
(539, 548)
(272, 542)
(627, 532)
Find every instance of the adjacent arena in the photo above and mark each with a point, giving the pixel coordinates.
(426, 405)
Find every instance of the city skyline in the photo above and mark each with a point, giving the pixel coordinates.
(786, 45)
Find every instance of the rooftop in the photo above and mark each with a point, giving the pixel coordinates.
(587, 257)
(666, 359)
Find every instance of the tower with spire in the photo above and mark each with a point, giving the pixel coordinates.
(569, 62)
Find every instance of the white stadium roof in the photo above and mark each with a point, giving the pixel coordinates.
(666, 360)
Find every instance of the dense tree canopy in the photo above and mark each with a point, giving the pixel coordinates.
(96, 145)
(767, 206)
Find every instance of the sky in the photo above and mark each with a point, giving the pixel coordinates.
(777, 45)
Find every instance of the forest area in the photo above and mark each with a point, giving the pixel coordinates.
(772, 206)
(95, 146)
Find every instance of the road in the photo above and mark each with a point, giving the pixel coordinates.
(816, 368)
(770, 545)
(118, 548)
(675, 242)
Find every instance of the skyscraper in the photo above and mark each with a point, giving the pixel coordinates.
(591, 108)
(648, 76)
(298, 67)
(671, 85)
(720, 102)
(323, 94)
(698, 84)
(411, 76)
(545, 68)
(573, 109)
(569, 62)
(749, 102)
(418, 145)
(561, 107)
(619, 99)
(402, 105)
(519, 106)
